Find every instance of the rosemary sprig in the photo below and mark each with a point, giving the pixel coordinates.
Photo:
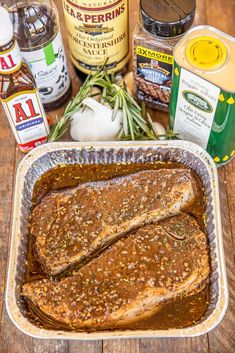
(61, 126)
(135, 125)
(150, 136)
(59, 129)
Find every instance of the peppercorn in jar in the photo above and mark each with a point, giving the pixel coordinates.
(162, 24)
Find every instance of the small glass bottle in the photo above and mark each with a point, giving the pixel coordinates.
(37, 30)
(162, 24)
(18, 91)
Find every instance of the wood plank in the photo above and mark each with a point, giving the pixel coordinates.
(220, 14)
(230, 186)
(85, 347)
(221, 339)
(175, 345)
(121, 346)
(7, 166)
(13, 340)
(201, 13)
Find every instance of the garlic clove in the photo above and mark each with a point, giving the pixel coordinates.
(159, 130)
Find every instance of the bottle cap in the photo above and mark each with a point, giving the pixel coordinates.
(206, 52)
(6, 27)
(167, 18)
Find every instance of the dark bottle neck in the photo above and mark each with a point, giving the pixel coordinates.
(35, 24)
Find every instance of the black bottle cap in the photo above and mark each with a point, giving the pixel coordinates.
(167, 18)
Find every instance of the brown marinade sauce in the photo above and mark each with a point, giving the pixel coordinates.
(179, 313)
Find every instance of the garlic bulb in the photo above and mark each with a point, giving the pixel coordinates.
(94, 123)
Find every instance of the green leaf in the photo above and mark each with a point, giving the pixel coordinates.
(125, 121)
(116, 108)
(132, 101)
(131, 125)
(143, 126)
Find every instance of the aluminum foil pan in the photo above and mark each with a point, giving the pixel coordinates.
(48, 156)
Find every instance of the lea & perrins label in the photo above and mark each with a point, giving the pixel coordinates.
(18, 92)
(97, 30)
(202, 108)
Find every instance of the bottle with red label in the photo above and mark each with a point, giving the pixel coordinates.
(18, 91)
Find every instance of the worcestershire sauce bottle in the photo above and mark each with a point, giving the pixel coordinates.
(18, 92)
(36, 26)
(97, 31)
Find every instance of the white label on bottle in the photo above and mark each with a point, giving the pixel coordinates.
(49, 67)
(26, 116)
(10, 60)
(196, 107)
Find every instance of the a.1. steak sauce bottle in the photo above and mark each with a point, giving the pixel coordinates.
(18, 91)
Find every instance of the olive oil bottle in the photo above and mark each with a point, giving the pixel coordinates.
(97, 32)
(37, 30)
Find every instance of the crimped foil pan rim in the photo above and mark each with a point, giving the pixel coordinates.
(12, 307)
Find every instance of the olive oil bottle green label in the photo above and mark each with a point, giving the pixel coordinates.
(202, 108)
(203, 113)
(97, 30)
(196, 107)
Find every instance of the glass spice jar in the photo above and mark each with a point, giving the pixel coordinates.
(162, 24)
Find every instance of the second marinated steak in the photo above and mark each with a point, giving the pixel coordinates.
(69, 226)
(129, 281)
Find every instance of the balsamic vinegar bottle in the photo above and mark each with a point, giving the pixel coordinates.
(37, 30)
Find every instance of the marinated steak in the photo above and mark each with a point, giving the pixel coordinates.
(69, 226)
(130, 280)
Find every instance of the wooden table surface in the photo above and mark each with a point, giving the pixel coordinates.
(217, 13)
